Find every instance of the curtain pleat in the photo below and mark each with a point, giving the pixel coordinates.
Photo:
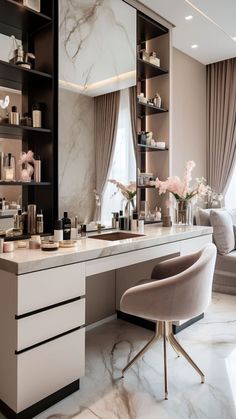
(106, 118)
(221, 123)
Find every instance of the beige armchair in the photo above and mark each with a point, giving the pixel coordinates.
(179, 289)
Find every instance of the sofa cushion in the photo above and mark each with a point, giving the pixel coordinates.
(225, 273)
(203, 217)
(223, 231)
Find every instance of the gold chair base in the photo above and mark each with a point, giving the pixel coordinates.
(164, 331)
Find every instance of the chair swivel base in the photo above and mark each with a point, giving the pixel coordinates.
(164, 331)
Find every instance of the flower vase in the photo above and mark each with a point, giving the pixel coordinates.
(183, 212)
(129, 206)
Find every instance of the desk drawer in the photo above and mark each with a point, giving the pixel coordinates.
(49, 367)
(51, 286)
(49, 323)
(194, 244)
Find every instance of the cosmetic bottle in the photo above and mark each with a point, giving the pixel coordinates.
(31, 219)
(83, 230)
(9, 168)
(134, 222)
(141, 226)
(58, 231)
(24, 221)
(18, 223)
(14, 116)
(74, 230)
(115, 217)
(37, 169)
(158, 214)
(37, 115)
(66, 224)
(39, 222)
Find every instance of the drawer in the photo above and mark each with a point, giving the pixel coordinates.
(49, 323)
(51, 286)
(49, 367)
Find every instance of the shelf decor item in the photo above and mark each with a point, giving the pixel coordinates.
(183, 193)
(26, 162)
(32, 4)
(20, 57)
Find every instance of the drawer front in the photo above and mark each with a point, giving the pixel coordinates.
(44, 288)
(49, 323)
(49, 367)
(194, 244)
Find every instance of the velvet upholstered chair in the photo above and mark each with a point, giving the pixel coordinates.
(179, 289)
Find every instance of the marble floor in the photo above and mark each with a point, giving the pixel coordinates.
(140, 395)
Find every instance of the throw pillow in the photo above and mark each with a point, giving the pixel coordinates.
(223, 231)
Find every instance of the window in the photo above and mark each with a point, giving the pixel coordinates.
(123, 167)
(230, 197)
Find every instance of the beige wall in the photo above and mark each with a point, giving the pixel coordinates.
(188, 114)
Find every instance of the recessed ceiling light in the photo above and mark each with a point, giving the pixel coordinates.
(234, 38)
(189, 17)
(194, 46)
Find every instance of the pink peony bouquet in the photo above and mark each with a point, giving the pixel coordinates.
(181, 189)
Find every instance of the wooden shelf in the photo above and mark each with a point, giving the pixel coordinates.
(148, 28)
(21, 19)
(2, 183)
(147, 70)
(14, 76)
(16, 131)
(145, 148)
(144, 109)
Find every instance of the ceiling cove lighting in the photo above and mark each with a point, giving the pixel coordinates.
(194, 46)
(190, 3)
(188, 17)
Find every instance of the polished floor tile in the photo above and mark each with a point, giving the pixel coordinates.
(140, 395)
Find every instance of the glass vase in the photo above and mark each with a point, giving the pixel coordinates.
(128, 210)
(183, 212)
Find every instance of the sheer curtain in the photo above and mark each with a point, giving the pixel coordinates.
(230, 197)
(123, 167)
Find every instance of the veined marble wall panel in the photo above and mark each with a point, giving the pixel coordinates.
(97, 43)
(76, 155)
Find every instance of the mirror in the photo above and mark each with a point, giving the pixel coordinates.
(97, 56)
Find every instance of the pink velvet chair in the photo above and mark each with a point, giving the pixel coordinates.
(180, 289)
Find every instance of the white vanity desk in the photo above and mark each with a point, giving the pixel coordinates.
(42, 310)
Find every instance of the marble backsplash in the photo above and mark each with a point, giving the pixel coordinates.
(76, 155)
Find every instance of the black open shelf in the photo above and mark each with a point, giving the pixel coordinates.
(148, 28)
(144, 109)
(2, 183)
(145, 148)
(14, 76)
(16, 131)
(16, 19)
(146, 186)
(147, 70)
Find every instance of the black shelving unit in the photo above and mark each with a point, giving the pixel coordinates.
(147, 29)
(147, 70)
(145, 148)
(39, 35)
(144, 109)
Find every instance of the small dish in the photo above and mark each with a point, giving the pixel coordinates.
(49, 245)
(68, 243)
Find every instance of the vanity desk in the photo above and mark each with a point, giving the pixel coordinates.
(42, 310)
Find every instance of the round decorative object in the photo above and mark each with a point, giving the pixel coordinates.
(49, 245)
(68, 243)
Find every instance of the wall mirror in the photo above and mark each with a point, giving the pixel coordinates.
(97, 70)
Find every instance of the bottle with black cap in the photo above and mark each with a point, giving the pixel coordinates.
(66, 224)
(58, 231)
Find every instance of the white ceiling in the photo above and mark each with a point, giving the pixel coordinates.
(212, 26)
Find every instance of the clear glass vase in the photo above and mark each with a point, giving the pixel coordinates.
(128, 210)
(183, 212)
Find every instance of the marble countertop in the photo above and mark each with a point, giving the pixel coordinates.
(24, 260)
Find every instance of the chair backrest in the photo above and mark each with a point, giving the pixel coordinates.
(178, 296)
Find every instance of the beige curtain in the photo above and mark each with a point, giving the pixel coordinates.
(106, 118)
(133, 116)
(221, 123)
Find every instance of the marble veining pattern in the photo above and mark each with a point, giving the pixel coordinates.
(97, 42)
(76, 155)
(212, 344)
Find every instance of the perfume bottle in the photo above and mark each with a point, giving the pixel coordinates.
(9, 168)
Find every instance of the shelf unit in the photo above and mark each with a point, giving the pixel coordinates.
(151, 79)
(39, 35)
